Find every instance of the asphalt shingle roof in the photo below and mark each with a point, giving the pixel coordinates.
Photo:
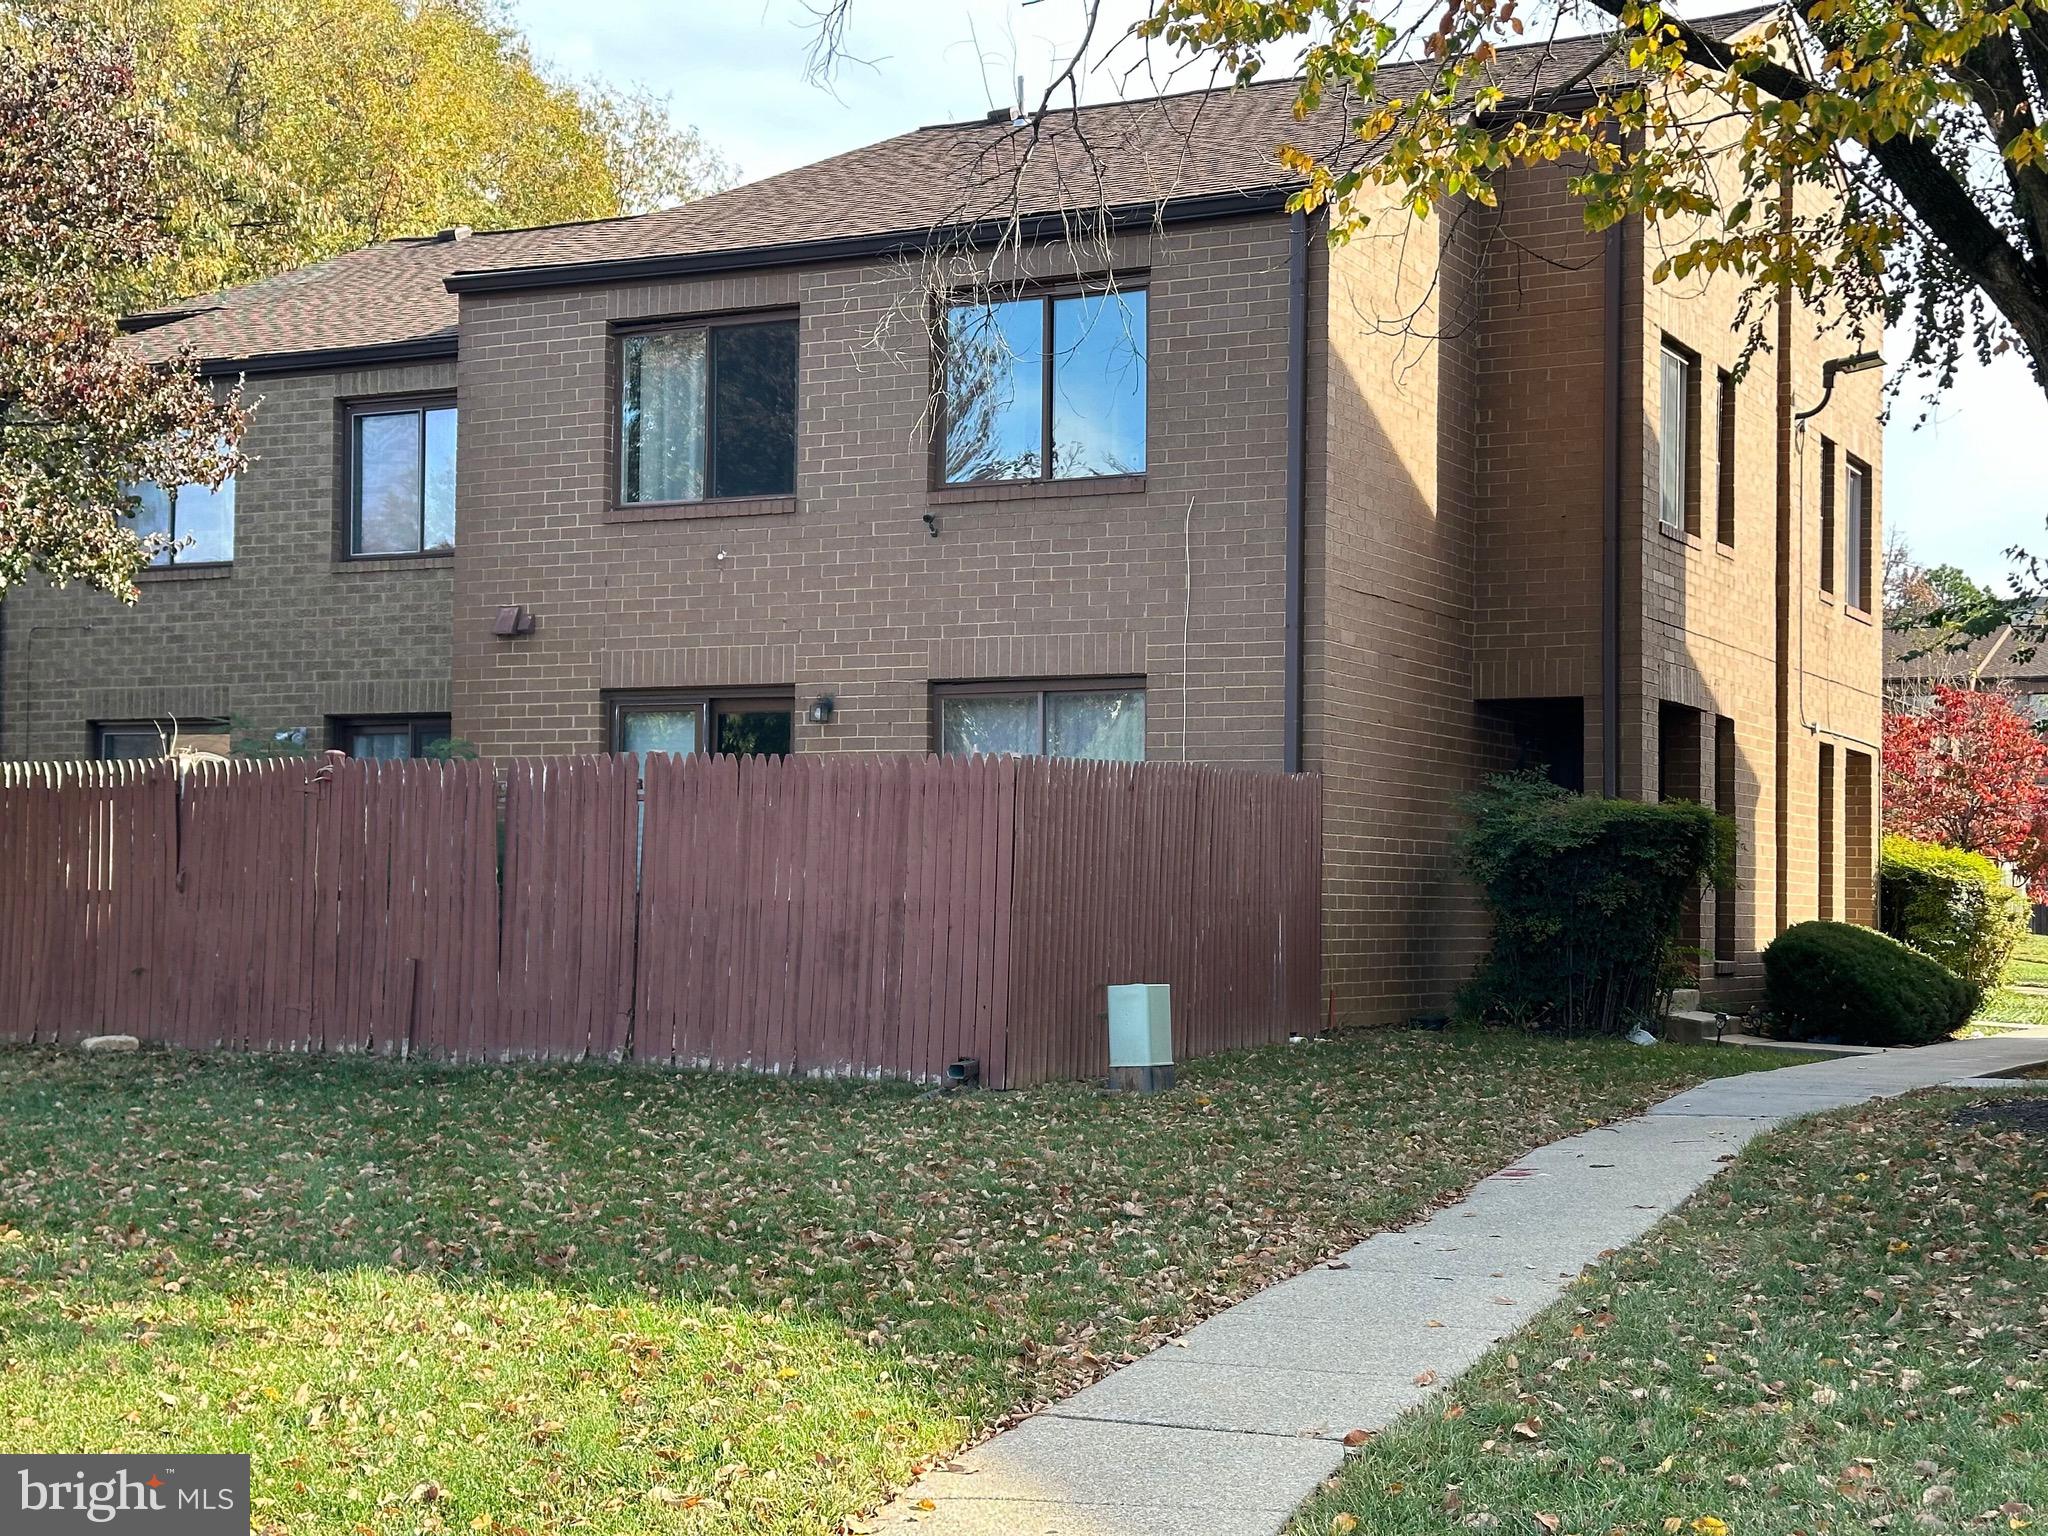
(1208, 144)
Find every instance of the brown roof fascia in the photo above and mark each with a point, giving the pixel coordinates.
(1034, 226)
(416, 349)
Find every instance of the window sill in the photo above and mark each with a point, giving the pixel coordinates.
(393, 562)
(1025, 490)
(211, 571)
(1860, 615)
(1826, 597)
(1678, 535)
(684, 511)
(1725, 551)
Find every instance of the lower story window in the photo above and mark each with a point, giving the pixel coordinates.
(1102, 719)
(389, 737)
(133, 740)
(754, 723)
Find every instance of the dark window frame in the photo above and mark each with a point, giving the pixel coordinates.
(1724, 460)
(1012, 686)
(1727, 802)
(179, 726)
(1046, 294)
(1689, 467)
(1827, 856)
(168, 556)
(353, 411)
(708, 703)
(1859, 561)
(1827, 516)
(341, 730)
(615, 392)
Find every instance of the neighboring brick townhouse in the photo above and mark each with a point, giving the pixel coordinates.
(845, 460)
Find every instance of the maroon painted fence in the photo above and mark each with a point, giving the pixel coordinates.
(823, 914)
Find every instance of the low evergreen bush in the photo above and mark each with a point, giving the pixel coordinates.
(1836, 981)
(1586, 895)
(1952, 906)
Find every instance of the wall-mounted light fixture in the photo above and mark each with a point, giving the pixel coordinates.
(822, 709)
(1832, 369)
(512, 622)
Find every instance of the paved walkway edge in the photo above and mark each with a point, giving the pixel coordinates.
(1228, 1428)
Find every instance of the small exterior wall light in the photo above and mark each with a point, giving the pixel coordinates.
(823, 707)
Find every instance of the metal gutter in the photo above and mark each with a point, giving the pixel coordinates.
(1297, 481)
(414, 350)
(1610, 513)
(902, 242)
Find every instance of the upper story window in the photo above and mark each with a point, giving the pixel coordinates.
(1087, 718)
(1724, 465)
(1827, 515)
(402, 479)
(1856, 565)
(199, 523)
(707, 412)
(1050, 387)
(1678, 449)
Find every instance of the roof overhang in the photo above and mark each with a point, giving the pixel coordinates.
(804, 253)
(418, 349)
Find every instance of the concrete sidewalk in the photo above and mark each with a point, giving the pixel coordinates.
(1226, 1430)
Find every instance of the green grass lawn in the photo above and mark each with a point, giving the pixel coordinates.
(2011, 1004)
(1846, 1333)
(2029, 963)
(2005, 1005)
(532, 1300)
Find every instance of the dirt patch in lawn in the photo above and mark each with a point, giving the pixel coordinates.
(2018, 1114)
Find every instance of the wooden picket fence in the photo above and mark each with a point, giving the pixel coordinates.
(844, 914)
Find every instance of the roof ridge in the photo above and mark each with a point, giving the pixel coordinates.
(1208, 147)
(988, 120)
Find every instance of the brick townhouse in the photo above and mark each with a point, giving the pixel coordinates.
(851, 459)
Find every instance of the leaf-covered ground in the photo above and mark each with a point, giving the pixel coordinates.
(1847, 1332)
(620, 1301)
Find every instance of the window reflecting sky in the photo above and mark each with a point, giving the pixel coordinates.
(1098, 398)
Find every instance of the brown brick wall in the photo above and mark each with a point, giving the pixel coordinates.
(1391, 724)
(1704, 618)
(846, 592)
(286, 636)
(1699, 630)
(1536, 620)
(1453, 554)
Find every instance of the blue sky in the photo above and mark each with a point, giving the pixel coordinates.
(1958, 488)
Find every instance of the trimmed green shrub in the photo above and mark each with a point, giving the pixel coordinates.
(1586, 896)
(1952, 906)
(1836, 981)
